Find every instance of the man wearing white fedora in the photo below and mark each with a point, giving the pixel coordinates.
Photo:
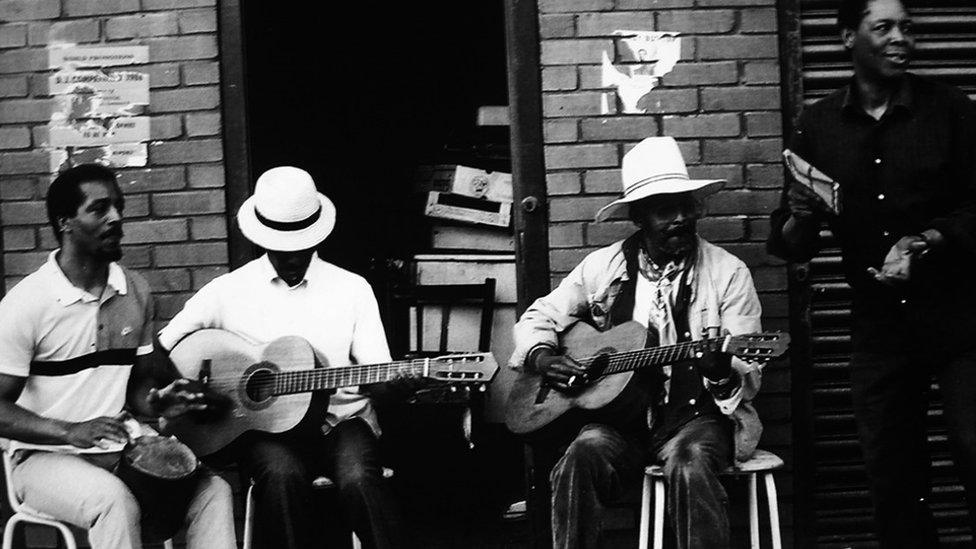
(291, 291)
(693, 419)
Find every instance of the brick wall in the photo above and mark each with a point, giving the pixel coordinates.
(721, 102)
(176, 224)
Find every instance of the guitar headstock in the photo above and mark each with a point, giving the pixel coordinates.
(471, 368)
(761, 346)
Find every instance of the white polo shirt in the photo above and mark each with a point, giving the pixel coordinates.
(75, 349)
(333, 309)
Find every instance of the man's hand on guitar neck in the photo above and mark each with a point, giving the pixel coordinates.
(559, 371)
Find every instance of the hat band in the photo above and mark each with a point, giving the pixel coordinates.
(289, 225)
(656, 178)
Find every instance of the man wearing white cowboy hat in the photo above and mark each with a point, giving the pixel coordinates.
(290, 291)
(694, 417)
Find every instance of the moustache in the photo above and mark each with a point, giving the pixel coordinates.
(113, 233)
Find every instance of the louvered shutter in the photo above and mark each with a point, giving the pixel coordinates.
(834, 507)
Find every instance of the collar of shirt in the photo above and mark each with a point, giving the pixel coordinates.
(67, 293)
(312, 273)
(903, 98)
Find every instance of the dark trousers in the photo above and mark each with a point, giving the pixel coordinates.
(601, 464)
(890, 393)
(283, 469)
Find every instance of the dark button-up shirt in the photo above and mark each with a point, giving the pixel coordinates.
(912, 170)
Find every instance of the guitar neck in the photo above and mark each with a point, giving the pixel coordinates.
(320, 379)
(616, 363)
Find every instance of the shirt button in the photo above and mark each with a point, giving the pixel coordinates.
(904, 301)
(877, 160)
(881, 196)
(692, 402)
(886, 233)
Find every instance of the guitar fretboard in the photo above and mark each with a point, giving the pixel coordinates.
(653, 356)
(320, 379)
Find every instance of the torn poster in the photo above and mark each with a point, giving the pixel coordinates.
(94, 132)
(653, 55)
(124, 155)
(481, 184)
(89, 93)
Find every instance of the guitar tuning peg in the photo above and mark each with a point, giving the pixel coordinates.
(454, 388)
(482, 388)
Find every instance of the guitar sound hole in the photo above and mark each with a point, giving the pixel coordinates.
(260, 385)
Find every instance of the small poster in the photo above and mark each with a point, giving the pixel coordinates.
(94, 132)
(97, 56)
(654, 54)
(90, 93)
(482, 184)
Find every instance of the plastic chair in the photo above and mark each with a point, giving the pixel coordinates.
(761, 463)
(23, 513)
(320, 483)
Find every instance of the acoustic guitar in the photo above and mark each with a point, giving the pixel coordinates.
(535, 409)
(282, 385)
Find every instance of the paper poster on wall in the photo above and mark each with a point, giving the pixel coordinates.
(96, 56)
(125, 155)
(92, 132)
(654, 54)
(90, 93)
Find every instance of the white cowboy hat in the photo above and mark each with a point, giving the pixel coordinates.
(286, 213)
(655, 166)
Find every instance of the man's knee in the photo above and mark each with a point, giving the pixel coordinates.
(693, 458)
(111, 499)
(586, 452)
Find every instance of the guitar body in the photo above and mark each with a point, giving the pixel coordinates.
(544, 413)
(240, 372)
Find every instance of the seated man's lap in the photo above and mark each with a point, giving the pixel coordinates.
(704, 441)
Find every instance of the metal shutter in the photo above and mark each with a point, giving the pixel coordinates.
(834, 508)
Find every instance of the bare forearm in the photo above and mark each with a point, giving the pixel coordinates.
(21, 424)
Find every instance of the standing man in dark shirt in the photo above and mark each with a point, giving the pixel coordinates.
(903, 149)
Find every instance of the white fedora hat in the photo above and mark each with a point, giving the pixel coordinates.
(655, 166)
(286, 213)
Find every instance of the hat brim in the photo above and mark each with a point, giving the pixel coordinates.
(699, 187)
(286, 241)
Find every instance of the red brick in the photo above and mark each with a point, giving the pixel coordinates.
(559, 78)
(30, 60)
(566, 235)
(761, 72)
(15, 138)
(563, 183)
(608, 232)
(201, 72)
(188, 203)
(580, 156)
(758, 20)
(142, 25)
(13, 86)
(770, 279)
(576, 208)
(23, 263)
(740, 98)
(19, 238)
(136, 205)
(201, 253)
(574, 52)
(208, 227)
(738, 47)
(663, 101)
(571, 6)
(182, 48)
(203, 124)
(185, 99)
(760, 124)
(136, 257)
(730, 3)
(696, 21)
(602, 181)
(203, 275)
(82, 8)
(13, 36)
(572, 104)
(199, 20)
(702, 74)
(557, 26)
(162, 75)
(181, 152)
(702, 125)
(564, 260)
(29, 10)
(168, 280)
(722, 229)
(653, 4)
(41, 136)
(758, 229)
(76, 31)
(743, 202)
(151, 5)
(619, 128)
(25, 163)
(742, 150)
(12, 188)
(560, 130)
(765, 176)
(47, 240)
(151, 180)
(156, 230)
(206, 176)
(165, 127)
(605, 24)
(731, 173)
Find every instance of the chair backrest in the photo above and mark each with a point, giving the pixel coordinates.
(411, 302)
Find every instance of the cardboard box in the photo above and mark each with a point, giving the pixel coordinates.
(460, 207)
(482, 184)
(469, 237)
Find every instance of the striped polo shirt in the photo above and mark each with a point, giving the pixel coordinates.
(75, 349)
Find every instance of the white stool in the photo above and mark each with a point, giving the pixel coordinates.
(23, 513)
(761, 462)
(320, 483)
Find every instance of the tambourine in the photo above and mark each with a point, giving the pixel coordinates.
(161, 473)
